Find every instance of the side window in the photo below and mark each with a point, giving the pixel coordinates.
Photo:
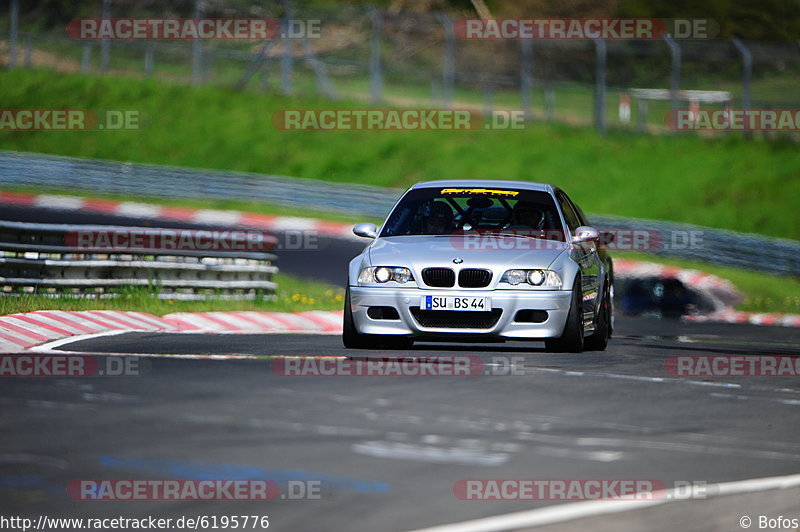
(573, 222)
(581, 215)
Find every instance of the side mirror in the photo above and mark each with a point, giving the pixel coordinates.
(366, 229)
(585, 233)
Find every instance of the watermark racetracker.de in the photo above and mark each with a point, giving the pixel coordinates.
(121, 239)
(733, 366)
(615, 29)
(395, 120)
(211, 489)
(188, 29)
(411, 366)
(572, 489)
(734, 120)
(69, 119)
(54, 365)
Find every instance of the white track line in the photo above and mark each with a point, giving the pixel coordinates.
(578, 510)
(50, 346)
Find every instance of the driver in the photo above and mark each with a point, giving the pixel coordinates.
(440, 219)
(527, 217)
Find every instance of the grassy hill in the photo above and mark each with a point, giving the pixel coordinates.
(727, 182)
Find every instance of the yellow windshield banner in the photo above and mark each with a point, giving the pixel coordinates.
(481, 191)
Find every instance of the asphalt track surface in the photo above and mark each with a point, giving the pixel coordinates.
(388, 451)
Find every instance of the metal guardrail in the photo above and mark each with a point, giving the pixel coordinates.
(47, 259)
(730, 248)
(741, 250)
(141, 180)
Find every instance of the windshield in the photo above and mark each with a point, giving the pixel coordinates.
(448, 211)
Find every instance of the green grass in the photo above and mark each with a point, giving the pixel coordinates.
(293, 295)
(762, 292)
(725, 182)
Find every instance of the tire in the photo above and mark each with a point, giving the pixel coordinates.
(571, 340)
(352, 339)
(598, 341)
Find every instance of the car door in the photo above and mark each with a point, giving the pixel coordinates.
(586, 256)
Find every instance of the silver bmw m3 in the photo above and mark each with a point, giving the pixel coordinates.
(462, 260)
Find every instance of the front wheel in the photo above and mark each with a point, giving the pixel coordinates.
(598, 341)
(352, 339)
(571, 340)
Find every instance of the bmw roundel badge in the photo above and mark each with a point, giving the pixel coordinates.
(458, 260)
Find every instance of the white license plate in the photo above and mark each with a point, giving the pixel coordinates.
(478, 304)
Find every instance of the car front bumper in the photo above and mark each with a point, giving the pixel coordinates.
(555, 302)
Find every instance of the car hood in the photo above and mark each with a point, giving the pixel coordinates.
(417, 252)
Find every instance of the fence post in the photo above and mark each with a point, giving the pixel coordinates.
(324, 84)
(105, 44)
(27, 58)
(488, 99)
(747, 71)
(641, 114)
(449, 60)
(264, 79)
(375, 75)
(264, 57)
(526, 78)
(675, 76)
(287, 61)
(436, 96)
(209, 56)
(148, 60)
(197, 48)
(601, 53)
(86, 57)
(12, 34)
(549, 103)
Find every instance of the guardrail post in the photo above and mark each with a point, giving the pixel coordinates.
(449, 60)
(287, 59)
(675, 76)
(526, 78)
(12, 33)
(375, 74)
(197, 48)
(105, 44)
(601, 52)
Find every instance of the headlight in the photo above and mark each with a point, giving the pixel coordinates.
(513, 277)
(546, 278)
(384, 274)
(535, 277)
